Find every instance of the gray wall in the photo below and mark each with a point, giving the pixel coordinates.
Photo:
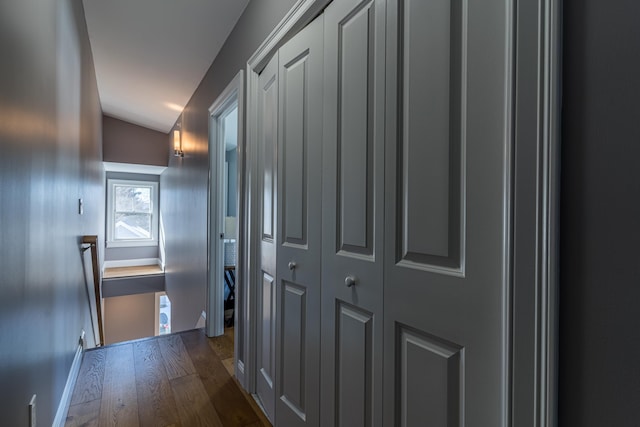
(128, 143)
(600, 219)
(129, 317)
(50, 137)
(184, 184)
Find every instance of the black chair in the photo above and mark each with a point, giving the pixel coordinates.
(229, 302)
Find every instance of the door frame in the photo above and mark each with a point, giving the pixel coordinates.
(232, 95)
(535, 212)
(534, 179)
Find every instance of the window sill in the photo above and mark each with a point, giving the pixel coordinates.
(131, 244)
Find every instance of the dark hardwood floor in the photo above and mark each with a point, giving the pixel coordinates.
(183, 379)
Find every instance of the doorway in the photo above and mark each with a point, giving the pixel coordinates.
(225, 218)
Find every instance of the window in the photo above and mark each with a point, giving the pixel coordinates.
(132, 213)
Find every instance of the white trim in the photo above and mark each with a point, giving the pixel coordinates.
(65, 400)
(133, 168)
(131, 244)
(536, 183)
(301, 13)
(156, 310)
(228, 96)
(202, 320)
(138, 262)
(231, 97)
(155, 213)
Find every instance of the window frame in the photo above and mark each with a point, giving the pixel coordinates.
(111, 241)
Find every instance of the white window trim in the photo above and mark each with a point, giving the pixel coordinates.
(111, 243)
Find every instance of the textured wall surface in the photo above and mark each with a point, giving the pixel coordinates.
(183, 186)
(600, 219)
(125, 142)
(50, 136)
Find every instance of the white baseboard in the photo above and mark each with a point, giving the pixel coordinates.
(65, 400)
(132, 263)
(201, 320)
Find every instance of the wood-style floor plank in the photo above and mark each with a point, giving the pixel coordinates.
(157, 406)
(84, 414)
(231, 405)
(229, 365)
(230, 332)
(264, 421)
(193, 403)
(119, 406)
(136, 389)
(175, 357)
(90, 377)
(223, 346)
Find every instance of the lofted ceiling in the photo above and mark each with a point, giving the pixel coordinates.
(150, 55)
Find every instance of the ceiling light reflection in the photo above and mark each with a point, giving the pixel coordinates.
(174, 106)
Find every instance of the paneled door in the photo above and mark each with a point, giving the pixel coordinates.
(267, 225)
(299, 233)
(353, 197)
(447, 213)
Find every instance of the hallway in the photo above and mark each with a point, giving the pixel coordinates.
(180, 379)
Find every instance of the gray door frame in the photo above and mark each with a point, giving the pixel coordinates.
(535, 181)
(534, 184)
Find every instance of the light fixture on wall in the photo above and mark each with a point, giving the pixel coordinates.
(177, 144)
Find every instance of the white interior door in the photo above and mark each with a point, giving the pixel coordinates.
(217, 212)
(225, 132)
(268, 212)
(447, 207)
(299, 216)
(353, 196)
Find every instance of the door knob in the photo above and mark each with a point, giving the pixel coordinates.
(350, 281)
(292, 265)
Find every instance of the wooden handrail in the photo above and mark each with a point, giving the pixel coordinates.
(92, 241)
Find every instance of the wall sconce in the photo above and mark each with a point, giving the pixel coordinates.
(177, 144)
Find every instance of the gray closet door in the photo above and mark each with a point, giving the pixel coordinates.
(352, 223)
(299, 233)
(447, 204)
(266, 289)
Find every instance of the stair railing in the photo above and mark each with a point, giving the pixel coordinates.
(92, 241)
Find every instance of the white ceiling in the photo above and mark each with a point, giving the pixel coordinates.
(150, 55)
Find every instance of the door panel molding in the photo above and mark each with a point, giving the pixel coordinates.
(292, 347)
(295, 74)
(301, 13)
(354, 366)
(268, 149)
(353, 213)
(431, 173)
(267, 362)
(354, 200)
(430, 387)
(266, 292)
(300, 207)
(447, 296)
